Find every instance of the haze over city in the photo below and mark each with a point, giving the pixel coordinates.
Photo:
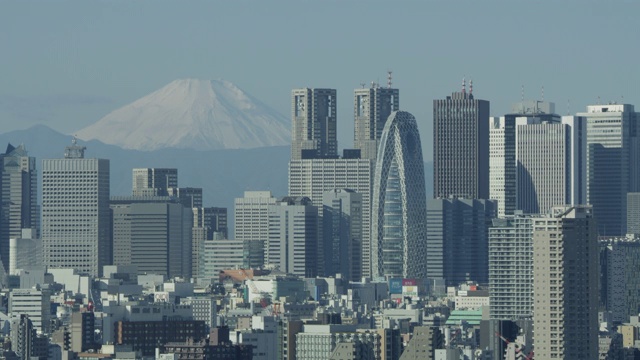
(67, 64)
(310, 180)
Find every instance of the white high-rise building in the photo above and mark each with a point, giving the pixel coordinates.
(511, 267)
(502, 150)
(293, 236)
(252, 222)
(565, 284)
(537, 159)
(550, 161)
(613, 163)
(313, 177)
(221, 254)
(32, 302)
(76, 220)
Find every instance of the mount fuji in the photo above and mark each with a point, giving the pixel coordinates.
(192, 114)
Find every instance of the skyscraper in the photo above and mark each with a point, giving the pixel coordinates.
(620, 283)
(251, 222)
(293, 236)
(399, 201)
(461, 146)
(613, 163)
(153, 233)
(502, 150)
(313, 177)
(313, 112)
(342, 233)
(206, 222)
(372, 107)
(511, 267)
(18, 197)
(76, 221)
(457, 239)
(551, 163)
(565, 284)
(154, 181)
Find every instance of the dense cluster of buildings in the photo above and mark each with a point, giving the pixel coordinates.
(529, 247)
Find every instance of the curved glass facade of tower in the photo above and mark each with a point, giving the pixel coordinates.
(399, 201)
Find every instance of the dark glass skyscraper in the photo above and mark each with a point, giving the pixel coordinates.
(461, 147)
(314, 122)
(18, 197)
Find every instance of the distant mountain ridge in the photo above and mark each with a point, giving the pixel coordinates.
(192, 114)
(222, 174)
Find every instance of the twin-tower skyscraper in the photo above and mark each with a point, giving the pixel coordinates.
(385, 166)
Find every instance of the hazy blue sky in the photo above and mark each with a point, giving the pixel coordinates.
(67, 64)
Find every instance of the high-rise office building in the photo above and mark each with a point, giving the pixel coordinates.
(251, 222)
(461, 146)
(164, 182)
(457, 239)
(208, 223)
(502, 150)
(293, 236)
(18, 197)
(313, 177)
(35, 303)
(511, 267)
(620, 284)
(314, 126)
(372, 107)
(551, 163)
(565, 284)
(222, 254)
(154, 233)
(613, 163)
(76, 221)
(342, 233)
(399, 201)
(154, 181)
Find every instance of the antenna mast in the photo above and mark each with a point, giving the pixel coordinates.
(464, 85)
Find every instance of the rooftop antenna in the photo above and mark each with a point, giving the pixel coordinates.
(362, 84)
(598, 99)
(464, 85)
(542, 90)
(373, 84)
(522, 94)
(471, 86)
(389, 72)
(568, 107)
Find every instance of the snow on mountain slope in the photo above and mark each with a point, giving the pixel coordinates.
(192, 114)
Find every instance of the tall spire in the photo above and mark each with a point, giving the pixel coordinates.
(471, 86)
(464, 85)
(389, 72)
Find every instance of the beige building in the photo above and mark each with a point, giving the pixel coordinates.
(565, 284)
